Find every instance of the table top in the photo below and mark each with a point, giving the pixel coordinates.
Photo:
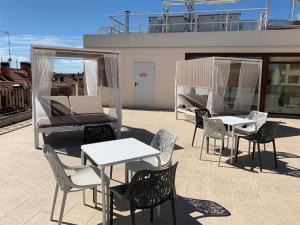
(118, 151)
(234, 120)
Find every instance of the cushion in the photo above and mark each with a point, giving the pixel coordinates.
(85, 104)
(59, 105)
(58, 121)
(100, 118)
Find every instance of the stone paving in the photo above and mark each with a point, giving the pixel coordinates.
(206, 194)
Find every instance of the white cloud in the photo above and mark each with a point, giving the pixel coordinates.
(68, 65)
(20, 47)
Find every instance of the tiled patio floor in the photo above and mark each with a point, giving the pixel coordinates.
(207, 194)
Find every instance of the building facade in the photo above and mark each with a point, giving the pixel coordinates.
(150, 51)
(279, 50)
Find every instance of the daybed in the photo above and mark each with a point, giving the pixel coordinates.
(101, 80)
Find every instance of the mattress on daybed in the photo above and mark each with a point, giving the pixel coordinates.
(99, 118)
(74, 111)
(75, 120)
(192, 102)
(57, 121)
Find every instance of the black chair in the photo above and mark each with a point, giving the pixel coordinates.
(94, 134)
(148, 188)
(265, 134)
(200, 114)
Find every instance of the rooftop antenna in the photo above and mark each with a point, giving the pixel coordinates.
(9, 52)
(294, 4)
(268, 9)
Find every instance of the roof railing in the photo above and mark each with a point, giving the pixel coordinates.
(194, 21)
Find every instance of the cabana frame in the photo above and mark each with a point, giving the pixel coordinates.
(87, 54)
(206, 77)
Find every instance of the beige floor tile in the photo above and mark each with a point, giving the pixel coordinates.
(241, 190)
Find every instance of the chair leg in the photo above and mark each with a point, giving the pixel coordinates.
(259, 156)
(194, 135)
(214, 145)
(54, 201)
(275, 154)
(62, 207)
(173, 210)
(111, 208)
(221, 152)
(151, 214)
(83, 196)
(111, 171)
(207, 144)
(203, 140)
(249, 147)
(132, 210)
(227, 143)
(237, 148)
(131, 174)
(95, 196)
(264, 147)
(126, 174)
(253, 150)
(107, 202)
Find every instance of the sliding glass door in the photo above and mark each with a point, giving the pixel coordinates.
(283, 85)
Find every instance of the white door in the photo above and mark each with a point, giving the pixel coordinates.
(144, 83)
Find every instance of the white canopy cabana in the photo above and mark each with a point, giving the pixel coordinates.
(220, 84)
(72, 110)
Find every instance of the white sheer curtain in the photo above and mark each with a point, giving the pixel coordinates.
(112, 75)
(42, 72)
(91, 77)
(248, 79)
(216, 100)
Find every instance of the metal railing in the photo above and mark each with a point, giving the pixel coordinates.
(248, 19)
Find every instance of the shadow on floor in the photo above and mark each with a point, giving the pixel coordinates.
(286, 131)
(246, 162)
(70, 142)
(188, 211)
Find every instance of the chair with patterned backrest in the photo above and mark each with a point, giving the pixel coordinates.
(82, 177)
(259, 118)
(164, 141)
(147, 189)
(200, 115)
(94, 134)
(215, 129)
(266, 134)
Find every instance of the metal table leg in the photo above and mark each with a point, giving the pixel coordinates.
(232, 144)
(103, 196)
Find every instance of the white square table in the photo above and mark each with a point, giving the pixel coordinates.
(110, 153)
(234, 121)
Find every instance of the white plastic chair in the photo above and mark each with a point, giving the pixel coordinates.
(83, 177)
(163, 141)
(214, 128)
(259, 117)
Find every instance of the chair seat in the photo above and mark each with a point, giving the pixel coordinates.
(145, 164)
(244, 131)
(227, 135)
(119, 190)
(88, 176)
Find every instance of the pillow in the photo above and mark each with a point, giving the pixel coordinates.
(60, 105)
(85, 104)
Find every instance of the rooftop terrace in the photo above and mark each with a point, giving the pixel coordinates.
(206, 194)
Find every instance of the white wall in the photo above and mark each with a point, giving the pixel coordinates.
(166, 48)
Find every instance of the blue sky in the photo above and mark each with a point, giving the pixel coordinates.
(63, 22)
